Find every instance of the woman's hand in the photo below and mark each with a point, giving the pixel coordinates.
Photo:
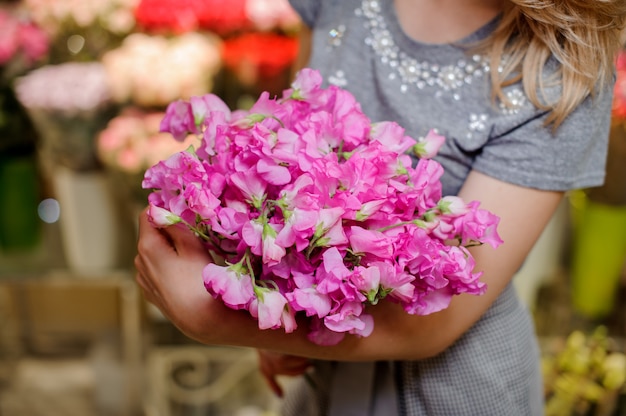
(273, 364)
(169, 264)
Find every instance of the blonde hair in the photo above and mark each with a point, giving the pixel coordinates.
(583, 36)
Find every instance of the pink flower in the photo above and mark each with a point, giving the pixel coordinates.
(452, 205)
(432, 302)
(478, 225)
(204, 106)
(272, 252)
(179, 120)
(250, 185)
(268, 308)
(309, 300)
(160, 217)
(306, 83)
(429, 146)
(350, 319)
(370, 242)
(321, 335)
(299, 226)
(273, 173)
(231, 284)
(392, 136)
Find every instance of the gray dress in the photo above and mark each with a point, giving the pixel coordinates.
(493, 369)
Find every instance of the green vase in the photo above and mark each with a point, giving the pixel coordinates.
(599, 254)
(20, 226)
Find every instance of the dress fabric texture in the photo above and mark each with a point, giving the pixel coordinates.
(493, 369)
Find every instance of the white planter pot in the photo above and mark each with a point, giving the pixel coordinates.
(91, 229)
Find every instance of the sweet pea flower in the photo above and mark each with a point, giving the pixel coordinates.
(370, 242)
(311, 301)
(272, 252)
(427, 147)
(452, 205)
(350, 319)
(478, 225)
(432, 302)
(367, 281)
(251, 186)
(179, 120)
(268, 308)
(205, 105)
(161, 217)
(232, 284)
(319, 334)
(307, 82)
(272, 172)
(392, 136)
(299, 226)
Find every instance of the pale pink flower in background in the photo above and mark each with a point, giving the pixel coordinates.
(272, 14)
(155, 70)
(131, 142)
(113, 15)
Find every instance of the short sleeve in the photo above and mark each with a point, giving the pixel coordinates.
(307, 9)
(529, 154)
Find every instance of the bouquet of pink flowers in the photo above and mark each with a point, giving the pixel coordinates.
(310, 208)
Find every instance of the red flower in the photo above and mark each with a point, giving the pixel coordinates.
(266, 54)
(619, 91)
(186, 15)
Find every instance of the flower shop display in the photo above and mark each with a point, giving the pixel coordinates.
(310, 208)
(23, 46)
(151, 71)
(69, 104)
(584, 374)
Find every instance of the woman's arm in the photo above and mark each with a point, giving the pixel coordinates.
(170, 262)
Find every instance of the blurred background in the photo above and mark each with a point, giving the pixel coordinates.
(83, 88)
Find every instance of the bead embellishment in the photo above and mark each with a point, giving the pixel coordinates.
(517, 99)
(338, 79)
(477, 124)
(412, 73)
(335, 36)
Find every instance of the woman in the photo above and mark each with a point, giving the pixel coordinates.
(521, 90)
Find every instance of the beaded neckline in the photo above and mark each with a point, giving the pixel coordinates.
(412, 73)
